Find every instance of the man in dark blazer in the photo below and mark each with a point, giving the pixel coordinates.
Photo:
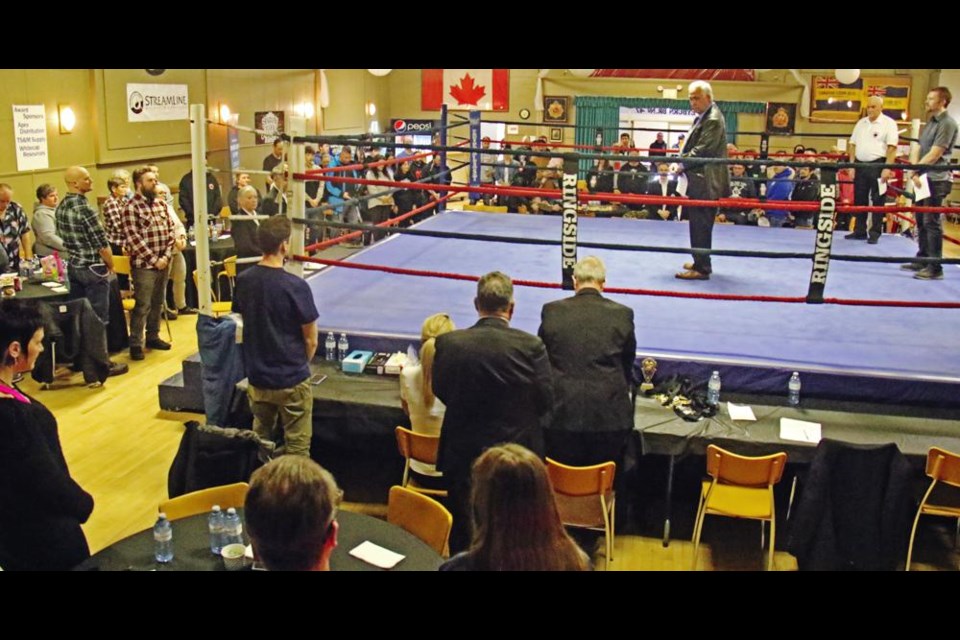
(591, 344)
(244, 227)
(707, 139)
(496, 384)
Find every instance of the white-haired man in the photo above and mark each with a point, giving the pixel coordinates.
(706, 139)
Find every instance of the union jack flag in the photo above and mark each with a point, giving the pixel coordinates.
(876, 91)
(828, 83)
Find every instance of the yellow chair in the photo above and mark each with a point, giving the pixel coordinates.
(121, 266)
(230, 273)
(196, 502)
(422, 448)
(217, 307)
(422, 516)
(585, 497)
(740, 487)
(942, 497)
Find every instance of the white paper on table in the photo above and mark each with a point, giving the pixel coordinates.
(882, 186)
(799, 430)
(740, 412)
(376, 555)
(682, 185)
(51, 285)
(923, 191)
(60, 290)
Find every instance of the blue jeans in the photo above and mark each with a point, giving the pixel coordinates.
(87, 282)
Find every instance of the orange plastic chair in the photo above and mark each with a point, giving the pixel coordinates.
(942, 497)
(585, 498)
(216, 307)
(422, 448)
(739, 487)
(422, 516)
(196, 502)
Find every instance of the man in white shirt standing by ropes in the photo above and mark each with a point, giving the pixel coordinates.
(874, 139)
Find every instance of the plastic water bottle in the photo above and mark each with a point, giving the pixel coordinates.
(215, 526)
(331, 347)
(232, 528)
(343, 347)
(163, 539)
(793, 390)
(713, 389)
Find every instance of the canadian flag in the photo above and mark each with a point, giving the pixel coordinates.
(466, 89)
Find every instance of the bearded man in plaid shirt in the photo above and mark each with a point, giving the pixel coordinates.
(148, 238)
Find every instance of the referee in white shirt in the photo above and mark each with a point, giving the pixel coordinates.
(874, 139)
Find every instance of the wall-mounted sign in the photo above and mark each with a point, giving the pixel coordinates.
(30, 136)
(269, 121)
(781, 118)
(157, 102)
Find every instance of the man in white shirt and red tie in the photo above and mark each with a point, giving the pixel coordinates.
(874, 139)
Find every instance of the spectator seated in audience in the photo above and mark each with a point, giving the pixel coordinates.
(663, 184)
(806, 189)
(741, 186)
(779, 187)
(516, 523)
(243, 180)
(632, 179)
(600, 177)
(291, 514)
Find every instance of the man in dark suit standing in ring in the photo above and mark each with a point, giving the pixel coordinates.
(496, 384)
(707, 139)
(591, 344)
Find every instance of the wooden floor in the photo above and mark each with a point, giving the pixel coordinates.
(119, 446)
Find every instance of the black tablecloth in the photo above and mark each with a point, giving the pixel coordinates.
(659, 430)
(353, 411)
(191, 546)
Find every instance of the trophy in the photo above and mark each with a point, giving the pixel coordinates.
(648, 367)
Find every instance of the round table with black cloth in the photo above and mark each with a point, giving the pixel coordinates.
(117, 335)
(191, 548)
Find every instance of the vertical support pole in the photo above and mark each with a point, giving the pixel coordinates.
(475, 158)
(824, 235)
(296, 206)
(198, 164)
(443, 154)
(568, 237)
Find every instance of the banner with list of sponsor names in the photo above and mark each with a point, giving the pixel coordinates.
(30, 136)
(157, 102)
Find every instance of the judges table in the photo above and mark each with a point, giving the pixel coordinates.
(191, 548)
(658, 430)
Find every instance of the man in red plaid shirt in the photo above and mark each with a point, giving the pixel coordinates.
(148, 238)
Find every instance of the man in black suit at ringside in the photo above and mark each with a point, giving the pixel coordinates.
(592, 345)
(496, 384)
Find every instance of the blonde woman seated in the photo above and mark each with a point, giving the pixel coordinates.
(516, 524)
(416, 392)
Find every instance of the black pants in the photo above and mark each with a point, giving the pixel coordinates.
(701, 235)
(930, 225)
(866, 192)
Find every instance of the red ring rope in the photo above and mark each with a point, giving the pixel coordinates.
(628, 291)
(724, 203)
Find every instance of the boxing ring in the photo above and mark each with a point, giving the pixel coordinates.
(877, 353)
